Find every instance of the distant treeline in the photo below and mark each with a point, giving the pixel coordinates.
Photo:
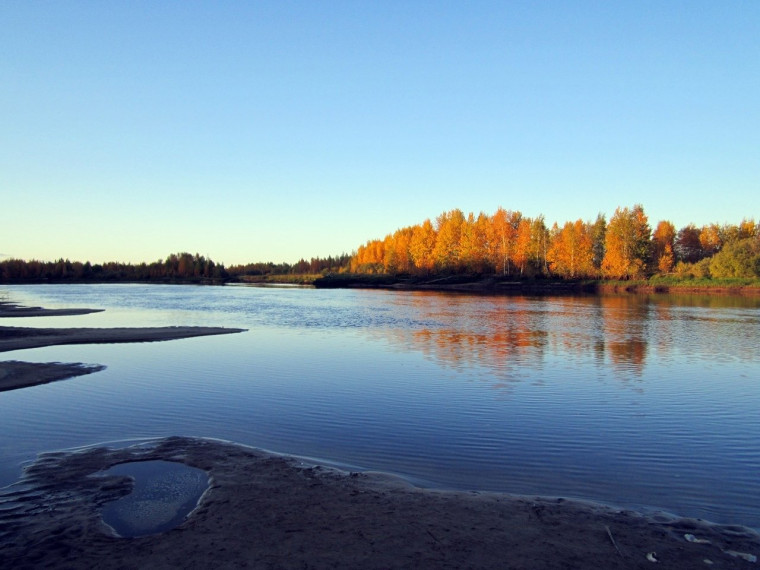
(316, 265)
(179, 267)
(182, 266)
(509, 243)
(506, 243)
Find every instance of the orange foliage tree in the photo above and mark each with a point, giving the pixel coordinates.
(663, 247)
(421, 247)
(446, 251)
(571, 252)
(501, 236)
(627, 244)
(509, 243)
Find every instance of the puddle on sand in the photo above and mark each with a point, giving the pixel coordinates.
(164, 493)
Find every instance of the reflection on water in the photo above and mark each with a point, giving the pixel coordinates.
(630, 399)
(503, 334)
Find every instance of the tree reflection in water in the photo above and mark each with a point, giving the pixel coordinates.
(508, 338)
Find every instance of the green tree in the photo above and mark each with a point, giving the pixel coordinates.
(737, 259)
(598, 237)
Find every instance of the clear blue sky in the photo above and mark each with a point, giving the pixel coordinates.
(270, 131)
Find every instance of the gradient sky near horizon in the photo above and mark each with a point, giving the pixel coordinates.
(275, 130)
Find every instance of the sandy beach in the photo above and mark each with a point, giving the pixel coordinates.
(268, 511)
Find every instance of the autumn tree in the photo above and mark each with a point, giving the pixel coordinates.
(627, 244)
(748, 228)
(501, 236)
(663, 243)
(473, 243)
(483, 243)
(397, 256)
(446, 250)
(521, 250)
(711, 239)
(421, 246)
(369, 258)
(539, 245)
(571, 253)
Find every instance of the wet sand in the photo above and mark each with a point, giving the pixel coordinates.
(14, 310)
(17, 338)
(15, 374)
(268, 511)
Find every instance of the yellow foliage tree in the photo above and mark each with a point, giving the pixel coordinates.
(627, 244)
(663, 244)
(421, 247)
(571, 252)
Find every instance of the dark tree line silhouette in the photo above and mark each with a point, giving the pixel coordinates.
(179, 267)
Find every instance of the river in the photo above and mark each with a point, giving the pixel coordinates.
(650, 402)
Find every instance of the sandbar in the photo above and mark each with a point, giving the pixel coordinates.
(269, 511)
(17, 338)
(15, 374)
(14, 310)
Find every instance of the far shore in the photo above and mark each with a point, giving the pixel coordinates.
(511, 286)
(15, 374)
(270, 511)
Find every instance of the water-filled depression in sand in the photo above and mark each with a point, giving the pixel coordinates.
(164, 493)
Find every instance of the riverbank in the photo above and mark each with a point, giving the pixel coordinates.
(269, 511)
(501, 285)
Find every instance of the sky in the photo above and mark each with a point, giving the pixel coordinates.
(280, 130)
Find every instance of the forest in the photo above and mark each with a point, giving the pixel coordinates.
(506, 243)
(179, 267)
(511, 244)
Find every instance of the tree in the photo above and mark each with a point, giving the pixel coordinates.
(627, 244)
(501, 237)
(571, 253)
(539, 245)
(737, 259)
(688, 247)
(522, 248)
(711, 239)
(401, 240)
(446, 250)
(421, 246)
(598, 238)
(747, 228)
(472, 243)
(663, 242)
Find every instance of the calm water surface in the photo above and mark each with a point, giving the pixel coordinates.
(639, 401)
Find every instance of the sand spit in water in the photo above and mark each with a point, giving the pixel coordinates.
(15, 374)
(267, 511)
